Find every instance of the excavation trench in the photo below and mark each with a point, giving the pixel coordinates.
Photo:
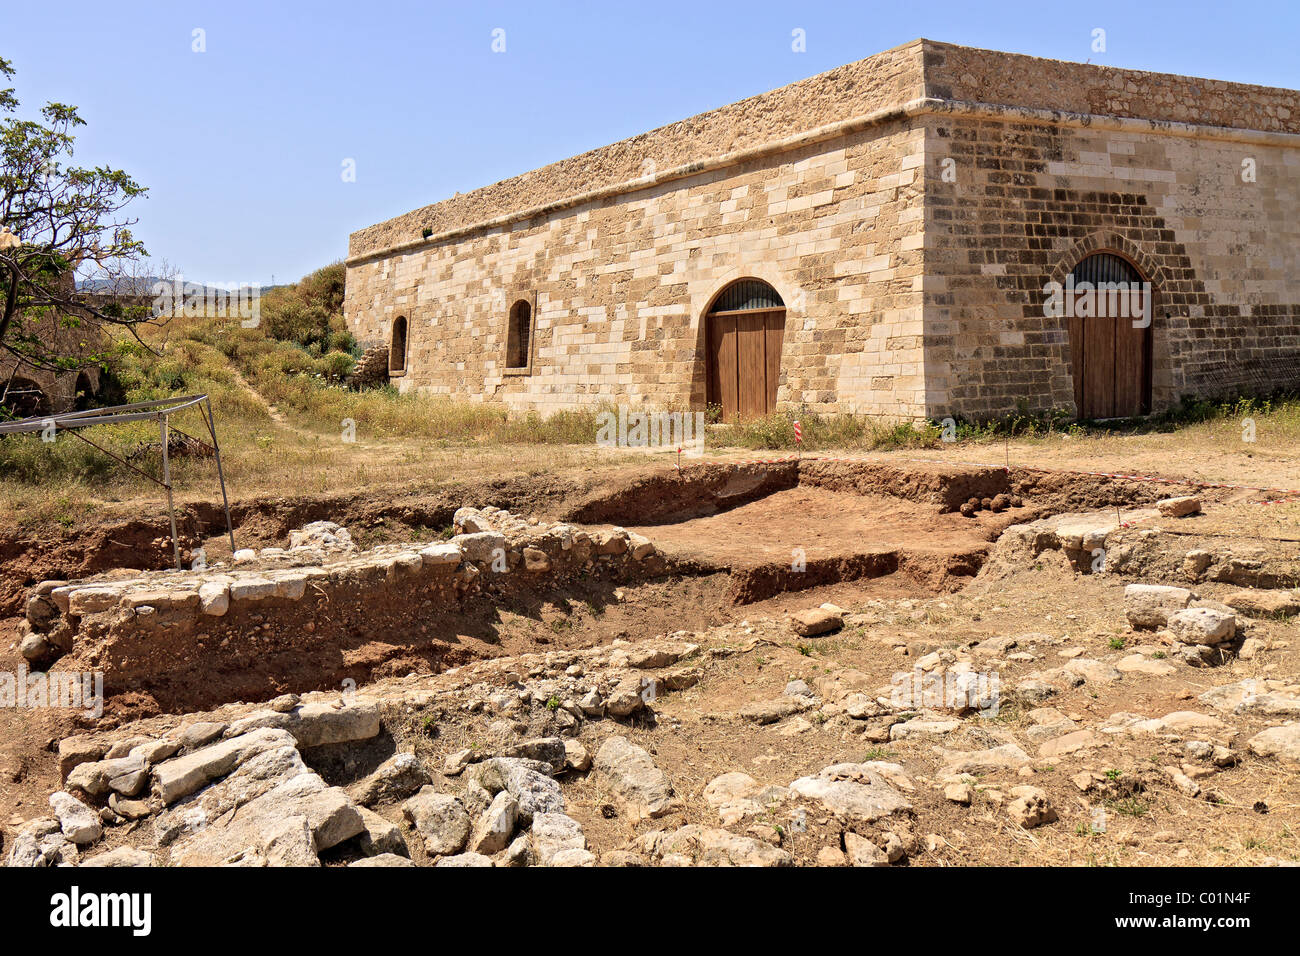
(700, 543)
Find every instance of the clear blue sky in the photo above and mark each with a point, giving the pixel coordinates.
(242, 146)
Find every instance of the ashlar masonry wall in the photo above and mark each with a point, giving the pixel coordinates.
(908, 208)
(1203, 197)
(620, 288)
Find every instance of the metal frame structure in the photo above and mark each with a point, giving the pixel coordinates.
(159, 410)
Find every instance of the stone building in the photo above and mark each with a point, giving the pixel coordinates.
(887, 238)
(28, 390)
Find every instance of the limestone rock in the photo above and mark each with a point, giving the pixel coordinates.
(854, 792)
(440, 820)
(395, 779)
(862, 852)
(1281, 742)
(770, 711)
(1179, 507)
(124, 775)
(183, 775)
(383, 859)
(553, 833)
(1030, 808)
(1003, 757)
(39, 843)
(379, 835)
(79, 823)
(1202, 625)
(465, 860)
(207, 833)
(317, 724)
(528, 781)
(123, 856)
(576, 756)
(289, 842)
(497, 824)
(815, 621)
(1070, 743)
(959, 793)
(641, 788)
(1149, 605)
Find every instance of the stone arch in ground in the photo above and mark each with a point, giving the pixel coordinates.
(83, 392)
(23, 398)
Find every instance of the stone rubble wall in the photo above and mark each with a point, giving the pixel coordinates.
(264, 611)
(371, 369)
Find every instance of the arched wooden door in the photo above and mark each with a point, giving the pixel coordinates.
(745, 327)
(1110, 312)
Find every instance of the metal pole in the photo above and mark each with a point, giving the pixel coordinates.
(167, 483)
(212, 430)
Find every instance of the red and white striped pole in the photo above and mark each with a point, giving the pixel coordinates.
(798, 438)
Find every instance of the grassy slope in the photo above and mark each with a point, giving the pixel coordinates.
(281, 411)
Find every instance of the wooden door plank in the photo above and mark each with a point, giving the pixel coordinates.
(1130, 362)
(723, 352)
(751, 347)
(1099, 362)
(775, 337)
(1077, 345)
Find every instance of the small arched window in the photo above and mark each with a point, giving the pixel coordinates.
(519, 329)
(397, 347)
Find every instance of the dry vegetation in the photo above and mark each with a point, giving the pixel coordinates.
(282, 407)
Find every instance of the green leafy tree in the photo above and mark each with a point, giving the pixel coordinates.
(59, 220)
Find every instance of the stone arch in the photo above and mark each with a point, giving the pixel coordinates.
(1109, 359)
(705, 293)
(744, 331)
(519, 335)
(397, 347)
(83, 391)
(1108, 241)
(23, 398)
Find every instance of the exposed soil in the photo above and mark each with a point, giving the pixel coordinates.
(883, 541)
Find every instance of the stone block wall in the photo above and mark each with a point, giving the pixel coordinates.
(620, 288)
(909, 293)
(1030, 199)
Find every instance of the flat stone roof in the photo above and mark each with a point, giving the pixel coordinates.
(918, 77)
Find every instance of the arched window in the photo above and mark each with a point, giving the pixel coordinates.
(745, 328)
(397, 348)
(519, 330)
(1109, 313)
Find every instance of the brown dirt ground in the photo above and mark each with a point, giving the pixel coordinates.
(693, 743)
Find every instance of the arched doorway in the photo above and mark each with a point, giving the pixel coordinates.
(745, 326)
(1109, 305)
(397, 349)
(83, 393)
